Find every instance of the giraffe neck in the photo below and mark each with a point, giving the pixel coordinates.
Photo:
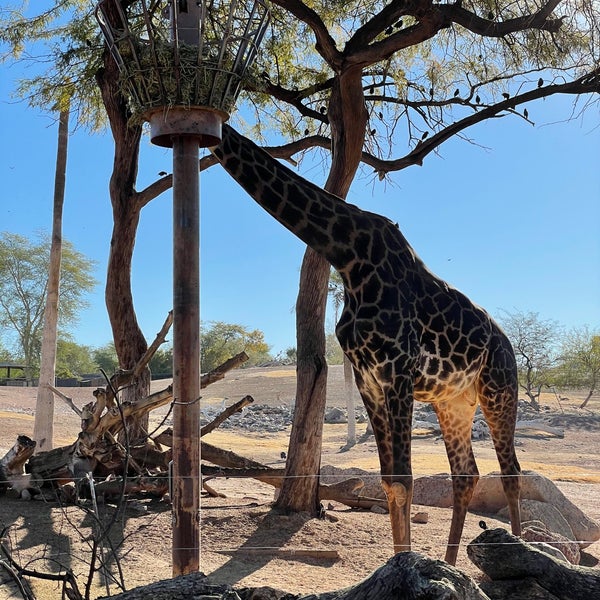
(321, 220)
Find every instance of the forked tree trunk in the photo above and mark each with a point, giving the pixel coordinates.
(130, 343)
(43, 428)
(347, 118)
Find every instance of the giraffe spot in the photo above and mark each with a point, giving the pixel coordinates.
(291, 214)
(444, 346)
(433, 366)
(361, 245)
(340, 233)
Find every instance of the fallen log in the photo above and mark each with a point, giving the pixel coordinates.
(406, 575)
(285, 553)
(502, 556)
(12, 463)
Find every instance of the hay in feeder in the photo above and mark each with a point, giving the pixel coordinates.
(155, 75)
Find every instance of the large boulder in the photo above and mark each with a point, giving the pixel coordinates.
(489, 498)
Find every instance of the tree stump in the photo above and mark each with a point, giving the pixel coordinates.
(12, 464)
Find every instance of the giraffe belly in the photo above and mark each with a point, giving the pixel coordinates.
(444, 386)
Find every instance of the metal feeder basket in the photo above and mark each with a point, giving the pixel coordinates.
(183, 62)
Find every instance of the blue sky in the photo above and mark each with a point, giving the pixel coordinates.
(513, 220)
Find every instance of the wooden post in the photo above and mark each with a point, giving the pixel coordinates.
(186, 356)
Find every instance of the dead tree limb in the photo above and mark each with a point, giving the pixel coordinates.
(18, 574)
(154, 346)
(67, 400)
(217, 374)
(223, 416)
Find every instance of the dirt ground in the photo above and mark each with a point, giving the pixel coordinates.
(244, 542)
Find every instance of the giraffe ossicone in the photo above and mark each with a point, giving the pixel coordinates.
(408, 334)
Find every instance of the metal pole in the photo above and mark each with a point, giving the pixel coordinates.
(186, 356)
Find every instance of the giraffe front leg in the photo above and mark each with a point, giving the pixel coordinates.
(399, 497)
(398, 485)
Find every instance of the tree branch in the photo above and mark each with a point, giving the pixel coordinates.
(588, 83)
(325, 44)
(455, 13)
(380, 22)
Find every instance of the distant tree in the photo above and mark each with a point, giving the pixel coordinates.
(335, 289)
(5, 355)
(333, 350)
(291, 354)
(220, 341)
(23, 280)
(580, 360)
(74, 360)
(162, 361)
(106, 358)
(534, 341)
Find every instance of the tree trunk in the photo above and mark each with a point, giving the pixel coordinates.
(129, 340)
(587, 398)
(300, 489)
(347, 118)
(43, 428)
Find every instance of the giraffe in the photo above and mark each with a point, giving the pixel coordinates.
(408, 334)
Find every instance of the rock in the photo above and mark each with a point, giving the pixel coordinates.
(372, 481)
(544, 514)
(378, 510)
(489, 498)
(539, 533)
(335, 416)
(420, 517)
(480, 430)
(434, 490)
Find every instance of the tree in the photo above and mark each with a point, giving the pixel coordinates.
(221, 341)
(23, 281)
(291, 355)
(162, 361)
(355, 78)
(43, 429)
(580, 360)
(333, 351)
(74, 360)
(106, 358)
(336, 291)
(534, 342)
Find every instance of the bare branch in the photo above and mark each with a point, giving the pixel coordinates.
(589, 83)
(223, 416)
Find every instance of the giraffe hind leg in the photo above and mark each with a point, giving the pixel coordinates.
(455, 418)
(500, 417)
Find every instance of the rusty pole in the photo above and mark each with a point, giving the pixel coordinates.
(186, 356)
